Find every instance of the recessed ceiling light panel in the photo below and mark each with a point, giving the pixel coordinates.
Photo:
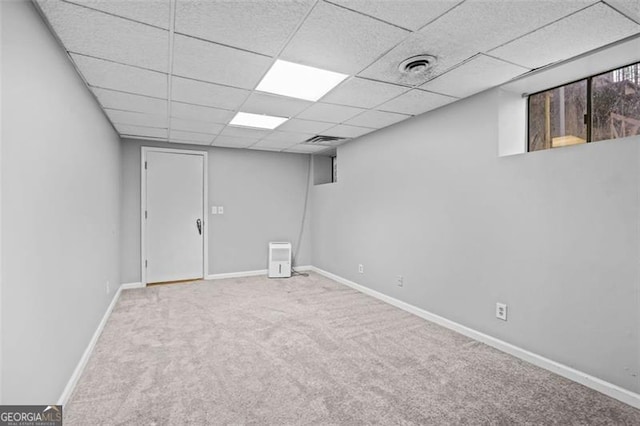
(260, 121)
(299, 81)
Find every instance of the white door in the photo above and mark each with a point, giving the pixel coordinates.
(174, 216)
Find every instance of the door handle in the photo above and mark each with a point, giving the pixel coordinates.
(199, 225)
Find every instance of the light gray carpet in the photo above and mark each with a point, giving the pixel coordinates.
(307, 350)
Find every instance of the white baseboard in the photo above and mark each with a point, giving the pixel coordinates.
(585, 379)
(252, 273)
(77, 372)
(127, 286)
(303, 268)
(237, 274)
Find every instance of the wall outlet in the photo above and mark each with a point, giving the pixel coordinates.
(501, 311)
(108, 287)
(399, 280)
(361, 268)
(220, 210)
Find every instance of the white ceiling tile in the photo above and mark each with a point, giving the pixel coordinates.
(181, 135)
(101, 35)
(288, 137)
(244, 132)
(110, 75)
(136, 118)
(486, 24)
(212, 62)
(128, 102)
(363, 93)
(307, 149)
(234, 142)
(195, 126)
(207, 94)
(340, 40)
(152, 12)
(128, 130)
(265, 24)
(201, 113)
(279, 106)
(329, 112)
(304, 126)
(274, 144)
(410, 14)
(475, 75)
(376, 119)
(447, 52)
(631, 8)
(416, 102)
(586, 30)
(472, 27)
(346, 131)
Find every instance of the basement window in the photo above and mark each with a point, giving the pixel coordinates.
(601, 107)
(325, 167)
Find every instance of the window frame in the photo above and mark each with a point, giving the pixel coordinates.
(589, 107)
(334, 167)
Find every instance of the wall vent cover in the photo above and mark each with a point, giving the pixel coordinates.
(324, 140)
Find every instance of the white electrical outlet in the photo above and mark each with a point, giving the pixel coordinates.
(501, 311)
(220, 210)
(361, 268)
(400, 280)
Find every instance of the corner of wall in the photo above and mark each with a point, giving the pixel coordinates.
(1, 157)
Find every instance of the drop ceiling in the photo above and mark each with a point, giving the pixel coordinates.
(179, 70)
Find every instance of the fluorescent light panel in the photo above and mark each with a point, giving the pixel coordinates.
(299, 81)
(259, 121)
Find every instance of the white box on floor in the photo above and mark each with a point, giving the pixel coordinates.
(279, 260)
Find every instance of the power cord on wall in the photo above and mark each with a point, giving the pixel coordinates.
(301, 233)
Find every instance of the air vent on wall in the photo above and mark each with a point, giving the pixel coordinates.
(324, 140)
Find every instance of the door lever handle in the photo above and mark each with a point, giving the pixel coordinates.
(199, 225)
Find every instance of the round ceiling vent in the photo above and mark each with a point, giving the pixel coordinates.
(417, 64)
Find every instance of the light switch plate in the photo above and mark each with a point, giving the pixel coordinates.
(214, 209)
(220, 210)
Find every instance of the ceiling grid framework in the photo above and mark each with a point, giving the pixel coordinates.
(228, 140)
(180, 70)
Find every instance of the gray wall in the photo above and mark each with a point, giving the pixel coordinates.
(60, 211)
(553, 234)
(263, 198)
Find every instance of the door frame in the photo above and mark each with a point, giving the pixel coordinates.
(143, 206)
